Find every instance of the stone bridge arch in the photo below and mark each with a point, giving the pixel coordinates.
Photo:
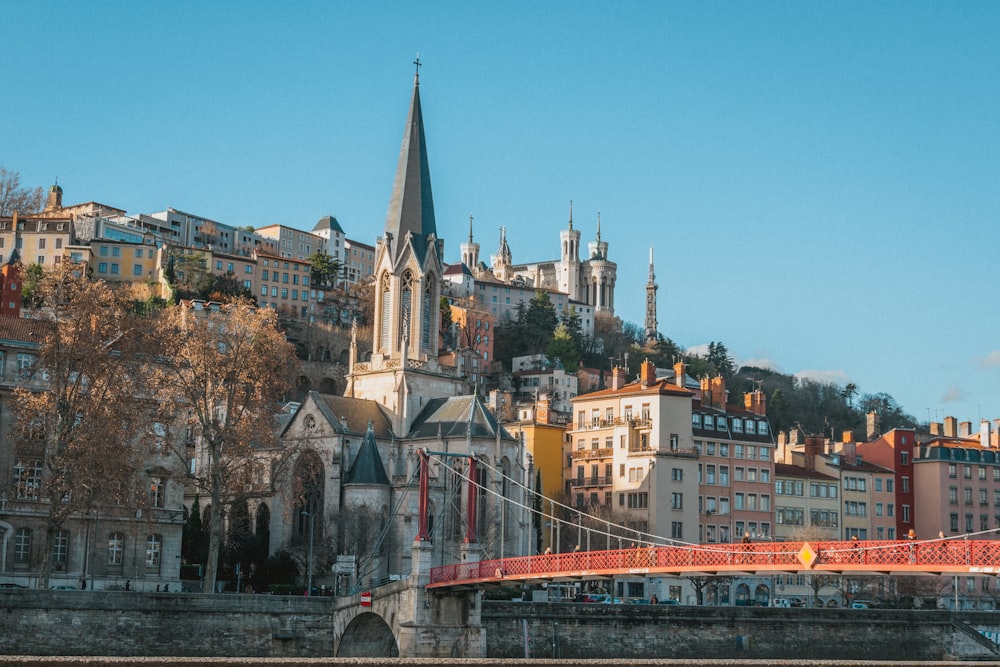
(405, 619)
(368, 636)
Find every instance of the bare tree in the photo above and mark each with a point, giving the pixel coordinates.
(15, 198)
(76, 415)
(221, 376)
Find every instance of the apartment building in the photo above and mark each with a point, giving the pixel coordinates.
(631, 452)
(38, 240)
(294, 243)
(359, 262)
(736, 464)
(284, 285)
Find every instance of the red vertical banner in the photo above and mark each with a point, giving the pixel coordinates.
(470, 503)
(423, 535)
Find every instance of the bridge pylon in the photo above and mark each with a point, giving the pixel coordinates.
(440, 624)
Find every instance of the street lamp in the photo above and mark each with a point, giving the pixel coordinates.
(309, 563)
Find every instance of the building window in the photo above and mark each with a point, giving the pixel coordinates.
(156, 492)
(154, 545)
(60, 549)
(676, 501)
(102, 267)
(27, 479)
(22, 546)
(137, 269)
(638, 501)
(116, 548)
(114, 268)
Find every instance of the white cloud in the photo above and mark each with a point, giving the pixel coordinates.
(838, 377)
(954, 394)
(700, 350)
(768, 364)
(991, 360)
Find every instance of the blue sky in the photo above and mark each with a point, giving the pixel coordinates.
(819, 180)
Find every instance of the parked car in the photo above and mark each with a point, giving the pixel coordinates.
(7, 584)
(860, 605)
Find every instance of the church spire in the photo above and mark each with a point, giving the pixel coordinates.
(411, 208)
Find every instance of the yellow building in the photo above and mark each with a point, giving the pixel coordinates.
(37, 240)
(543, 442)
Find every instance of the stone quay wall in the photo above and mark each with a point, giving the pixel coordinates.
(587, 631)
(97, 623)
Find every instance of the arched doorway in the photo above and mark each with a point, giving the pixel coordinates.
(762, 596)
(368, 636)
(742, 595)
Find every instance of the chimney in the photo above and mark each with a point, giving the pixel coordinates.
(964, 429)
(936, 428)
(848, 436)
(795, 436)
(719, 392)
(850, 453)
(874, 429)
(648, 373)
(985, 433)
(950, 430)
(755, 402)
(814, 447)
(617, 377)
(543, 411)
(680, 373)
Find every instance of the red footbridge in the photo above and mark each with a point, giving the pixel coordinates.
(908, 557)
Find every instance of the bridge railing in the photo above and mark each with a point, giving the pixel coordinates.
(943, 555)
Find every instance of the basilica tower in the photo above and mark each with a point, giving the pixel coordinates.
(651, 288)
(569, 263)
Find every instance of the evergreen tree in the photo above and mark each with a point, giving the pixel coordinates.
(563, 349)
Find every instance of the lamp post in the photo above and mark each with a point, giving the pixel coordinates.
(309, 562)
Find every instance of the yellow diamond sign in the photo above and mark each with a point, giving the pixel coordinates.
(806, 555)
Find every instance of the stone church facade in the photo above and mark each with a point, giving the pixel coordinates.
(353, 477)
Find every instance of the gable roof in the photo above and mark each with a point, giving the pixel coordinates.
(22, 330)
(454, 417)
(359, 413)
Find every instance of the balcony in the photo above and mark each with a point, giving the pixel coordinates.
(583, 454)
(590, 481)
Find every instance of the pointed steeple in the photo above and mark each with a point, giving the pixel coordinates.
(411, 209)
(367, 467)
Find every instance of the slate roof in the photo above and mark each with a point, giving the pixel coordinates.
(367, 467)
(328, 222)
(411, 208)
(359, 413)
(452, 417)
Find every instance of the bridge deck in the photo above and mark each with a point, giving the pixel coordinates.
(944, 556)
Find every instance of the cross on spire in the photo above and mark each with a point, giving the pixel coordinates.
(416, 76)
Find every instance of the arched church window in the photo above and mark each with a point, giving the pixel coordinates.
(386, 313)
(425, 324)
(406, 304)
